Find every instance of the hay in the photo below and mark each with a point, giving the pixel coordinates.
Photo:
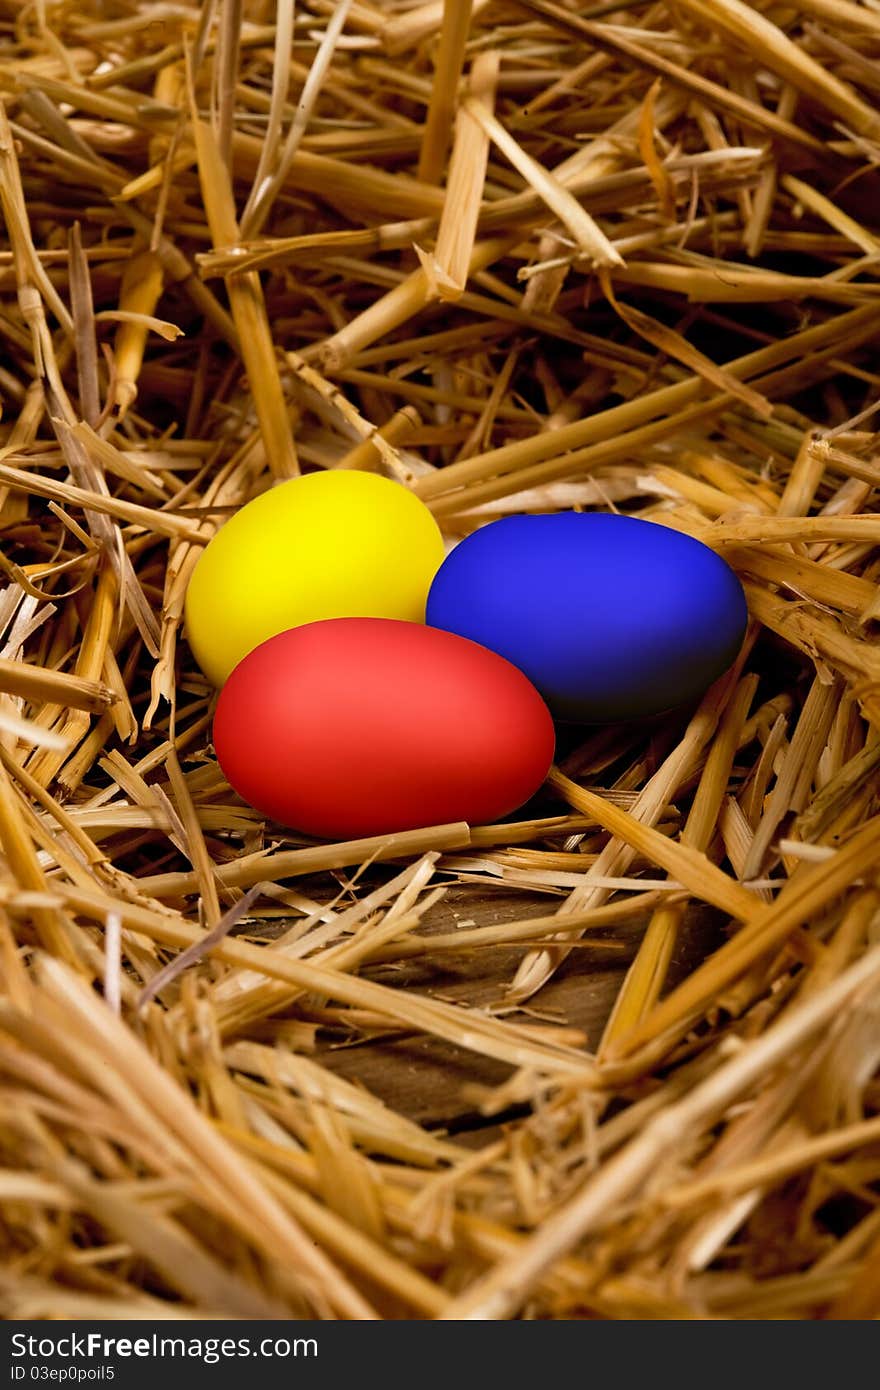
(520, 256)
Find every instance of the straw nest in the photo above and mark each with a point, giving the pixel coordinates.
(522, 256)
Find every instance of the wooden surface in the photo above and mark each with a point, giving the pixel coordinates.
(437, 1084)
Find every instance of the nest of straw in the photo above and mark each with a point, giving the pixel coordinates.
(521, 255)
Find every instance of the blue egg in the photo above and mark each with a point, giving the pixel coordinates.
(609, 616)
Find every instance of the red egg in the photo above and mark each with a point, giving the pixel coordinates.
(358, 726)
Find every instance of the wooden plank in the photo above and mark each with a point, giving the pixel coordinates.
(433, 1082)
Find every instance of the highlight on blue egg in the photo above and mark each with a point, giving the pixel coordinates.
(610, 616)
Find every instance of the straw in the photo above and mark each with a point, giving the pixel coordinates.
(612, 1056)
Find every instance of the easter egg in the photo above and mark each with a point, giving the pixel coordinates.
(611, 617)
(326, 545)
(358, 726)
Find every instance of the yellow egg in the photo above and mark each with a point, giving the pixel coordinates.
(327, 545)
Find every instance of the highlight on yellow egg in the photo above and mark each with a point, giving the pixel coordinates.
(326, 545)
